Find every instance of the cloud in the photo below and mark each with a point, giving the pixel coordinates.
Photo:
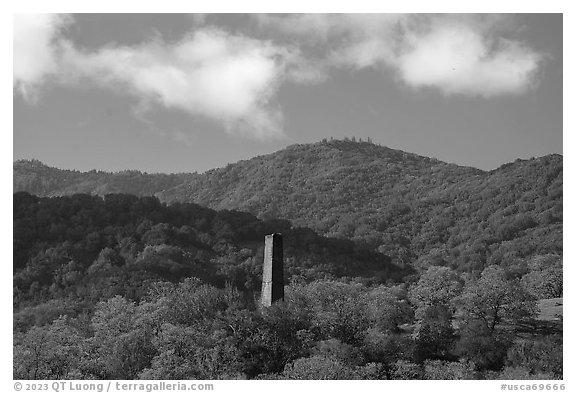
(234, 79)
(459, 59)
(230, 79)
(455, 54)
(339, 40)
(35, 50)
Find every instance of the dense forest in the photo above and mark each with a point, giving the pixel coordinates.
(123, 287)
(36, 178)
(397, 267)
(415, 209)
(406, 206)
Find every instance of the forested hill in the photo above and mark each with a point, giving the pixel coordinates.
(417, 210)
(66, 244)
(124, 287)
(36, 178)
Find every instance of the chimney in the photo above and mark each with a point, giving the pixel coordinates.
(273, 271)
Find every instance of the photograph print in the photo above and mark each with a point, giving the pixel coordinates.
(287, 197)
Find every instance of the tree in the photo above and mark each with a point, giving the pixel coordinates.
(374, 371)
(521, 373)
(492, 299)
(443, 370)
(433, 295)
(191, 301)
(335, 349)
(48, 352)
(404, 370)
(438, 286)
(434, 334)
(318, 367)
(386, 347)
(543, 355)
(196, 352)
(545, 279)
(278, 336)
(122, 342)
(388, 308)
(336, 310)
(106, 260)
(482, 346)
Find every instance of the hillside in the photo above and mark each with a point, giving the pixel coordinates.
(417, 210)
(66, 244)
(126, 287)
(405, 286)
(36, 178)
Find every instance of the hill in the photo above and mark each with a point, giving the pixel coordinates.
(78, 243)
(126, 287)
(418, 210)
(36, 178)
(399, 279)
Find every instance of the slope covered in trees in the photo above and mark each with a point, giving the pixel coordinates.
(36, 178)
(123, 287)
(417, 210)
(86, 244)
(429, 270)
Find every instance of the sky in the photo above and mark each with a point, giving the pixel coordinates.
(191, 92)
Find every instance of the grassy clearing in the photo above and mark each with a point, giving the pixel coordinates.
(550, 309)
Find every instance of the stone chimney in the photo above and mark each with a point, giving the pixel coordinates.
(273, 270)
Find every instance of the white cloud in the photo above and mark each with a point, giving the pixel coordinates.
(234, 79)
(34, 50)
(227, 78)
(458, 59)
(455, 54)
(231, 79)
